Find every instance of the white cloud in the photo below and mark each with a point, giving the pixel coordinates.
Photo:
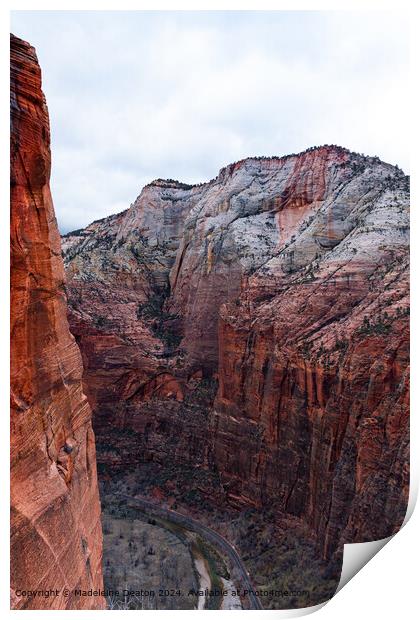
(135, 96)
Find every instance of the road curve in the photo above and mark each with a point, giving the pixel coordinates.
(211, 535)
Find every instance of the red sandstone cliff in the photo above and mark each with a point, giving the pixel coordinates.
(285, 281)
(56, 537)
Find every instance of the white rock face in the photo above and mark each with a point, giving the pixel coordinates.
(197, 245)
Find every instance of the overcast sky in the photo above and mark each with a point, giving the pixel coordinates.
(134, 96)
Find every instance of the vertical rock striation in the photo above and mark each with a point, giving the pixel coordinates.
(56, 537)
(285, 280)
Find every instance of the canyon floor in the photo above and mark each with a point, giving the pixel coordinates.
(155, 563)
(283, 560)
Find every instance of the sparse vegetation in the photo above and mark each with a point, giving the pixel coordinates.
(341, 345)
(380, 325)
(143, 557)
(278, 556)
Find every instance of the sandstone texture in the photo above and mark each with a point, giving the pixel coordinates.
(257, 326)
(56, 536)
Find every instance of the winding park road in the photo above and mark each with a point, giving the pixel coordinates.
(207, 533)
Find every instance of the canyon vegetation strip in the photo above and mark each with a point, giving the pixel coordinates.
(213, 537)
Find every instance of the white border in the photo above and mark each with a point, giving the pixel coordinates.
(386, 586)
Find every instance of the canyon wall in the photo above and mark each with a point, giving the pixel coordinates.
(56, 536)
(257, 326)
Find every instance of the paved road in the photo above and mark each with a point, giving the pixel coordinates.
(207, 533)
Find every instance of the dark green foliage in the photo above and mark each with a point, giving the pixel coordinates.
(381, 325)
(100, 321)
(341, 345)
(163, 323)
(402, 312)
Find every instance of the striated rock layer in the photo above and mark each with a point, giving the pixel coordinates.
(56, 536)
(284, 282)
